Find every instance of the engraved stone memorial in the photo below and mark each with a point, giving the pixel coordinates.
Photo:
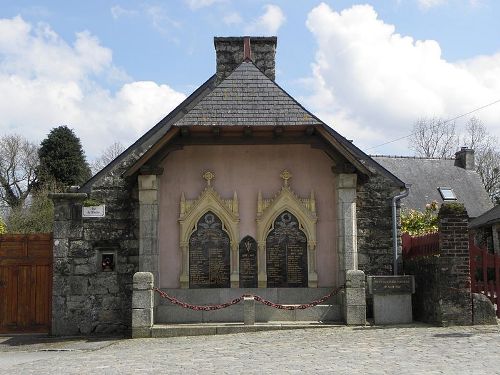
(286, 249)
(209, 254)
(248, 263)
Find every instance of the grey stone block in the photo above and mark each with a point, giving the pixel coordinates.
(355, 315)
(484, 311)
(142, 299)
(265, 313)
(355, 296)
(143, 280)
(141, 332)
(166, 314)
(183, 331)
(392, 308)
(249, 311)
(229, 314)
(319, 313)
(142, 317)
(355, 279)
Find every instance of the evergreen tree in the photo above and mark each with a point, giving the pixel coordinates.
(62, 158)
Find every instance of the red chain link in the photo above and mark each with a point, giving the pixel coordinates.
(198, 307)
(255, 297)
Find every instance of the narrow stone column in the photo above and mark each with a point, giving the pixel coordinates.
(347, 245)
(142, 304)
(148, 222)
(249, 310)
(354, 298)
(496, 238)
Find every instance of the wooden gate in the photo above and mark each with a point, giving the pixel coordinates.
(25, 283)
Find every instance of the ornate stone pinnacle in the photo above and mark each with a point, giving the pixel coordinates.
(209, 176)
(286, 175)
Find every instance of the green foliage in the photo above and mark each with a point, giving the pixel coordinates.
(62, 158)
(416, 223)
(3, 228)
(89, 202)
(452, 208)
(35, 216)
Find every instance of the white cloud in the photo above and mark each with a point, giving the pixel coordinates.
(197, 4)
(117, 11)
(371, 83)
(233, 18)
(45, 82)
(268, 23)
(426, 4)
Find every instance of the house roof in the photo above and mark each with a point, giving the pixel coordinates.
(247, 97)
(488, 218)
(426, 175)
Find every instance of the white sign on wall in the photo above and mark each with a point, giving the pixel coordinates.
(94, 211)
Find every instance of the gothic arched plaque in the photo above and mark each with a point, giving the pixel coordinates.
(248, 263)
(209, 254)
(286, 253)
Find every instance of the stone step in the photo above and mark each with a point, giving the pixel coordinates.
(166, 330)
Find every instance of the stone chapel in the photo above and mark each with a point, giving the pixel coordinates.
(238, 188)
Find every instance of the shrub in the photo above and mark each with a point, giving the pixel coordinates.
(417, 223)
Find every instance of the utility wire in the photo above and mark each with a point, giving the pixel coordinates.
(444, 122)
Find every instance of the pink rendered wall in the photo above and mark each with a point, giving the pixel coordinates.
(246, 169)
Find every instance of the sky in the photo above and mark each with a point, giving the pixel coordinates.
(110, 70)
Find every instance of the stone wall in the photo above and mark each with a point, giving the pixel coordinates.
(374, 213)
(86, 299)
(443, 294)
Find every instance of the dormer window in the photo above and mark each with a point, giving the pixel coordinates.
(447, 194)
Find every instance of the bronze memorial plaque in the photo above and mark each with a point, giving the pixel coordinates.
(248, 263)
(209, 253)
(286, 254)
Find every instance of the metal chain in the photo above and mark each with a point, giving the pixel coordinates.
(255, 297)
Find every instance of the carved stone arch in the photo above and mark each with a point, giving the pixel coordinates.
(304, 209)
(191, 211)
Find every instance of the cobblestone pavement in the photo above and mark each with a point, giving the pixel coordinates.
(340, 350)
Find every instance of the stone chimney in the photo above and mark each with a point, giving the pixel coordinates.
(232, 51)
(465, 158)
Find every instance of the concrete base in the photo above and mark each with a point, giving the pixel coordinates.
(392, 308)
(168, 313)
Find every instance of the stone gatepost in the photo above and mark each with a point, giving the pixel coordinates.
(354, 301)
(354, 306)
(65, 291)
(148, 182)
(142, 305)
(456, 303)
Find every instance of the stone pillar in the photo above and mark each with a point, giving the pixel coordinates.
(456, 304)
(354, 304)
(142, 305)
(249, 310)
(347, 245)
(148, 182)
(67, 227)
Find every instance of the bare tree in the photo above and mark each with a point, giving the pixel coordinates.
(433, 138)
(487, 155)
(107, 156)
(18, 166)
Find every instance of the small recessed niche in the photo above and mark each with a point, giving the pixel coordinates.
(107, 262)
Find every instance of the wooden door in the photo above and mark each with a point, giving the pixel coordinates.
(25, 283)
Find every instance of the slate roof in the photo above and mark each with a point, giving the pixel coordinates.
(488, 218)
(426, 175)
(247, 97)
